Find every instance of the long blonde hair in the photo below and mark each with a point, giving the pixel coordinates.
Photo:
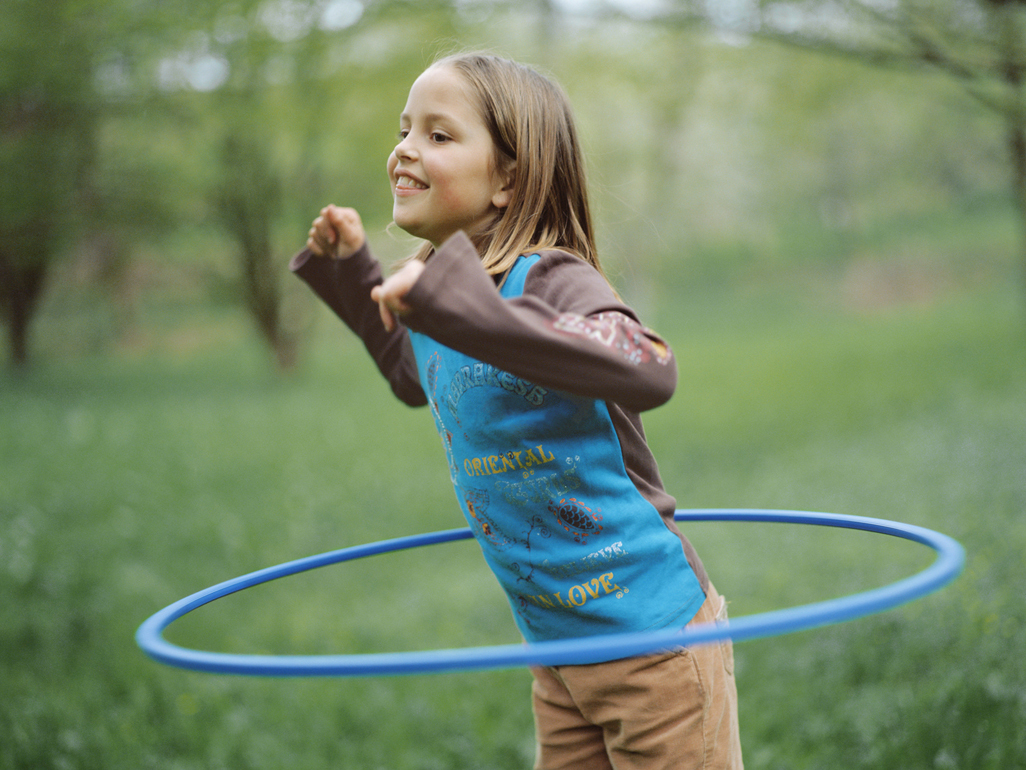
(532, 126)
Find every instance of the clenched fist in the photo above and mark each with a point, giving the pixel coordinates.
(336, 233)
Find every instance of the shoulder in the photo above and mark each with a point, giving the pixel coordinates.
(568, 283)
(557, 258)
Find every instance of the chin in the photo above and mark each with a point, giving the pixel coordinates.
(410, 230)
(404, 223)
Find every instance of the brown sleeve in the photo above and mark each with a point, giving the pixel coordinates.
(568, 331)
(345, 285)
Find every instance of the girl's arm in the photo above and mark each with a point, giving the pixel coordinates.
(345, 286)
(568, 331)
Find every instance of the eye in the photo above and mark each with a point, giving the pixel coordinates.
(439, 138)
(403, 133)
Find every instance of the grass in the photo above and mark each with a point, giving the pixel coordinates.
(130, 481)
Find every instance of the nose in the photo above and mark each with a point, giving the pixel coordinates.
(404, 150)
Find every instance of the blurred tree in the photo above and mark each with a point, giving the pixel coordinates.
(129, 200)
(95, 98)
(242, 119)
(78, 91)
(47, 142)
(979, 43)
(641, 104)
(248, 199)
(294, 106)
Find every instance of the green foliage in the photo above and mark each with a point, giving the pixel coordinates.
(46, 119)
(721, 154)
(46, 145)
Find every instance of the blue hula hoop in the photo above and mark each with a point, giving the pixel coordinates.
(944, 569)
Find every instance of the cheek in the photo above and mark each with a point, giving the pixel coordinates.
(460, 188)
(445, 187)
(391, 163)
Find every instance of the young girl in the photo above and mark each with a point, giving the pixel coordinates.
(535, 373)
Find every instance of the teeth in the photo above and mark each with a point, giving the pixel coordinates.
(405, 181)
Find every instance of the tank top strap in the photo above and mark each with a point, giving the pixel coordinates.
(513, 286)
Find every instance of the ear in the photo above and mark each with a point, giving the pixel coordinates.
(504, 192)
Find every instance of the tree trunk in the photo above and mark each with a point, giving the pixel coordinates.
(20, 289)
(1017, 152)
(263, 297)
(1007, 20)
(248, 198)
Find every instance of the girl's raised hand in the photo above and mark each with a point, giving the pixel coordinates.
(336, 233)
(390, 295)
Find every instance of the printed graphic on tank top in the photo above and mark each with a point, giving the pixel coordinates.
(540, 477)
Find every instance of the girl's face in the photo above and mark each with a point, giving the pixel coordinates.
(442, 172)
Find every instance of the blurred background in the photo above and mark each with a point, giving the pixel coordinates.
(821, 205)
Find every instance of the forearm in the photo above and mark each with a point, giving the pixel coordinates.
(344, 285)
(587, 344)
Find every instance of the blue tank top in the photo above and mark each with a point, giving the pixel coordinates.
(540, 477)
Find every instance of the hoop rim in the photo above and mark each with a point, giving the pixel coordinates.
(943, 570)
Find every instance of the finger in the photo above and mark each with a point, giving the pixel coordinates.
(314, 246)
(377, 297)
(329, 230)
(345, 221)
(386, 317)
(324, 228)
(313, 239)
(331, 215)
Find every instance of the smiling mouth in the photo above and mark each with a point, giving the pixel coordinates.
(408, 183)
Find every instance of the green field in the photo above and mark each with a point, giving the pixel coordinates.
(131, 480)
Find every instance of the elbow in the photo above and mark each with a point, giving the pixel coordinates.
(654, 399)
(411, 395)
(659, 389)
(655, 392)
(657, 374)
(666, 393)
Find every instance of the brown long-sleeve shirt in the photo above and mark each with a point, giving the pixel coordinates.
(567, 331)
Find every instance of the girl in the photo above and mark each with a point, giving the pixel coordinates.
(535, 373)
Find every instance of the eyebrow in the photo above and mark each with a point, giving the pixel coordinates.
(431, 117)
